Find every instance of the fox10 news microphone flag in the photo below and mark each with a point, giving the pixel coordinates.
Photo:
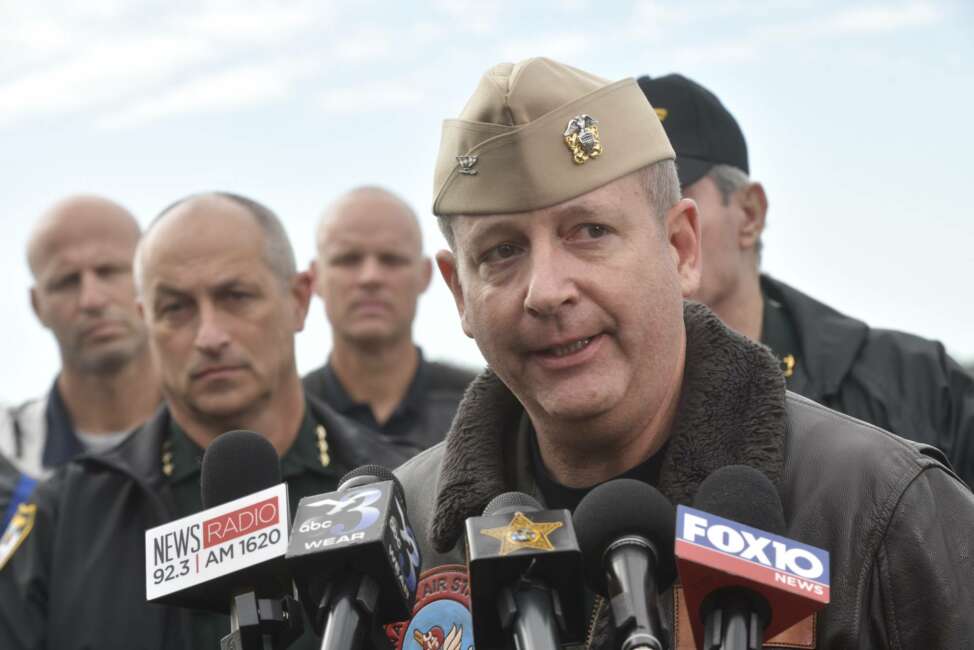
(525, 576)
(229, 558)
(738, 578)
(355, 559)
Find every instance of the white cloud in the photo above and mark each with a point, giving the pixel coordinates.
(256, 23)
(107, 72)
(377, 96)
(112, 52)
(475, 16)
(225, 91)
(883, 18)
(567, 47)
(366, 44)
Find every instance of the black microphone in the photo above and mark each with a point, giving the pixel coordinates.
(524, 565)
(355, 559)
(625, 530)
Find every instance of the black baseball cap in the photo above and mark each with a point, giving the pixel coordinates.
(703, 133)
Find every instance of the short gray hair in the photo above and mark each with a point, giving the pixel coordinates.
(659, 181)
(278, 253)
(730, 179)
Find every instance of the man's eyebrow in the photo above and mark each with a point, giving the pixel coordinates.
(485, 227)
(163, 290)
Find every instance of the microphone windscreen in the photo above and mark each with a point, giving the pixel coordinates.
(372, 474)
(236, 464)
(510, 502)
(742, 494)
(619, 508)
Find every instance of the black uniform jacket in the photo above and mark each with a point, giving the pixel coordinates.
(422, 418)
(897, 381)
(897, 522)
(78, 579)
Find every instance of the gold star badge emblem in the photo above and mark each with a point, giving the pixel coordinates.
(523, 533)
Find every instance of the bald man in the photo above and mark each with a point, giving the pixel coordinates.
(80, 255)
(369, 272)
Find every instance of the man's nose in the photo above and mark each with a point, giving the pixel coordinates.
(552, 284)
(371, 271)
(93, 296)
(211, 335)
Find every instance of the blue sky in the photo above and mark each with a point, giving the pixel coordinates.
(857, 116)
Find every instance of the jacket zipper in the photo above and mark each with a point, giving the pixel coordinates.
(596, 610)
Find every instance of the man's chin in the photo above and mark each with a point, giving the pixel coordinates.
(227, 406)
(571, 408)
(108, 357)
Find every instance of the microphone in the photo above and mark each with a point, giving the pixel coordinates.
(523, 563)
(229, 558)
(355, 559)
(743, 581)
(625, 530)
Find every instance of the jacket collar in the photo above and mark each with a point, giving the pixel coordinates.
(352, 445)
(61, 443)
(731, 411)
(830, 341)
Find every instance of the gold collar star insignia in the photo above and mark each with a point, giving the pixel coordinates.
(523, 533)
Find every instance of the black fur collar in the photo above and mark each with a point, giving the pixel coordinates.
(732, 411)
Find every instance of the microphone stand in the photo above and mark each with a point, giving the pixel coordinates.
(346, 611)
(734, 619)
(263, 623)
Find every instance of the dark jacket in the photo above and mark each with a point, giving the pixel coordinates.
(78, 580)
(426, 411)
(897, 381)
(898, 523)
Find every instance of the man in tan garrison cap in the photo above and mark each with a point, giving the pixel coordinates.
(571, 253)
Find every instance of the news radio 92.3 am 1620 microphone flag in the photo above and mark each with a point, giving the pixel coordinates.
(201, 560)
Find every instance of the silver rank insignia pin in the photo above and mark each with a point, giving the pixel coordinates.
(465, 165)
(582, 137)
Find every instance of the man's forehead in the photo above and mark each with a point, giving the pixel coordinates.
(200, 244)
(614, 199)
(206, 274)
(60, 237)
(369, 218)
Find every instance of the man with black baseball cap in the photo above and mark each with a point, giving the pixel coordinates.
(895, 380)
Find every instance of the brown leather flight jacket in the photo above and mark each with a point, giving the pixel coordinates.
(896, 520)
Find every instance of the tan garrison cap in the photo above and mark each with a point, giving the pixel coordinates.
(537, 133)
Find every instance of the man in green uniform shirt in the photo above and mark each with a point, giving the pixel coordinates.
(222, 302)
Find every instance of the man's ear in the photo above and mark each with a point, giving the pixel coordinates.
(35, 305)
(302, 286)
(447, 263)
(427, 274)
(683, 232)
(754, 205)
(314, 271)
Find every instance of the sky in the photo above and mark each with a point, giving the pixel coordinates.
(857, 117)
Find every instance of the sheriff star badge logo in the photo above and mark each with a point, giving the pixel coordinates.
(523, 533)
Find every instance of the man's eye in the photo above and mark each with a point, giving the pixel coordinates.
(169, 308)
(594, 230)
(349, 259)
(65, 283)
(500, 253)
